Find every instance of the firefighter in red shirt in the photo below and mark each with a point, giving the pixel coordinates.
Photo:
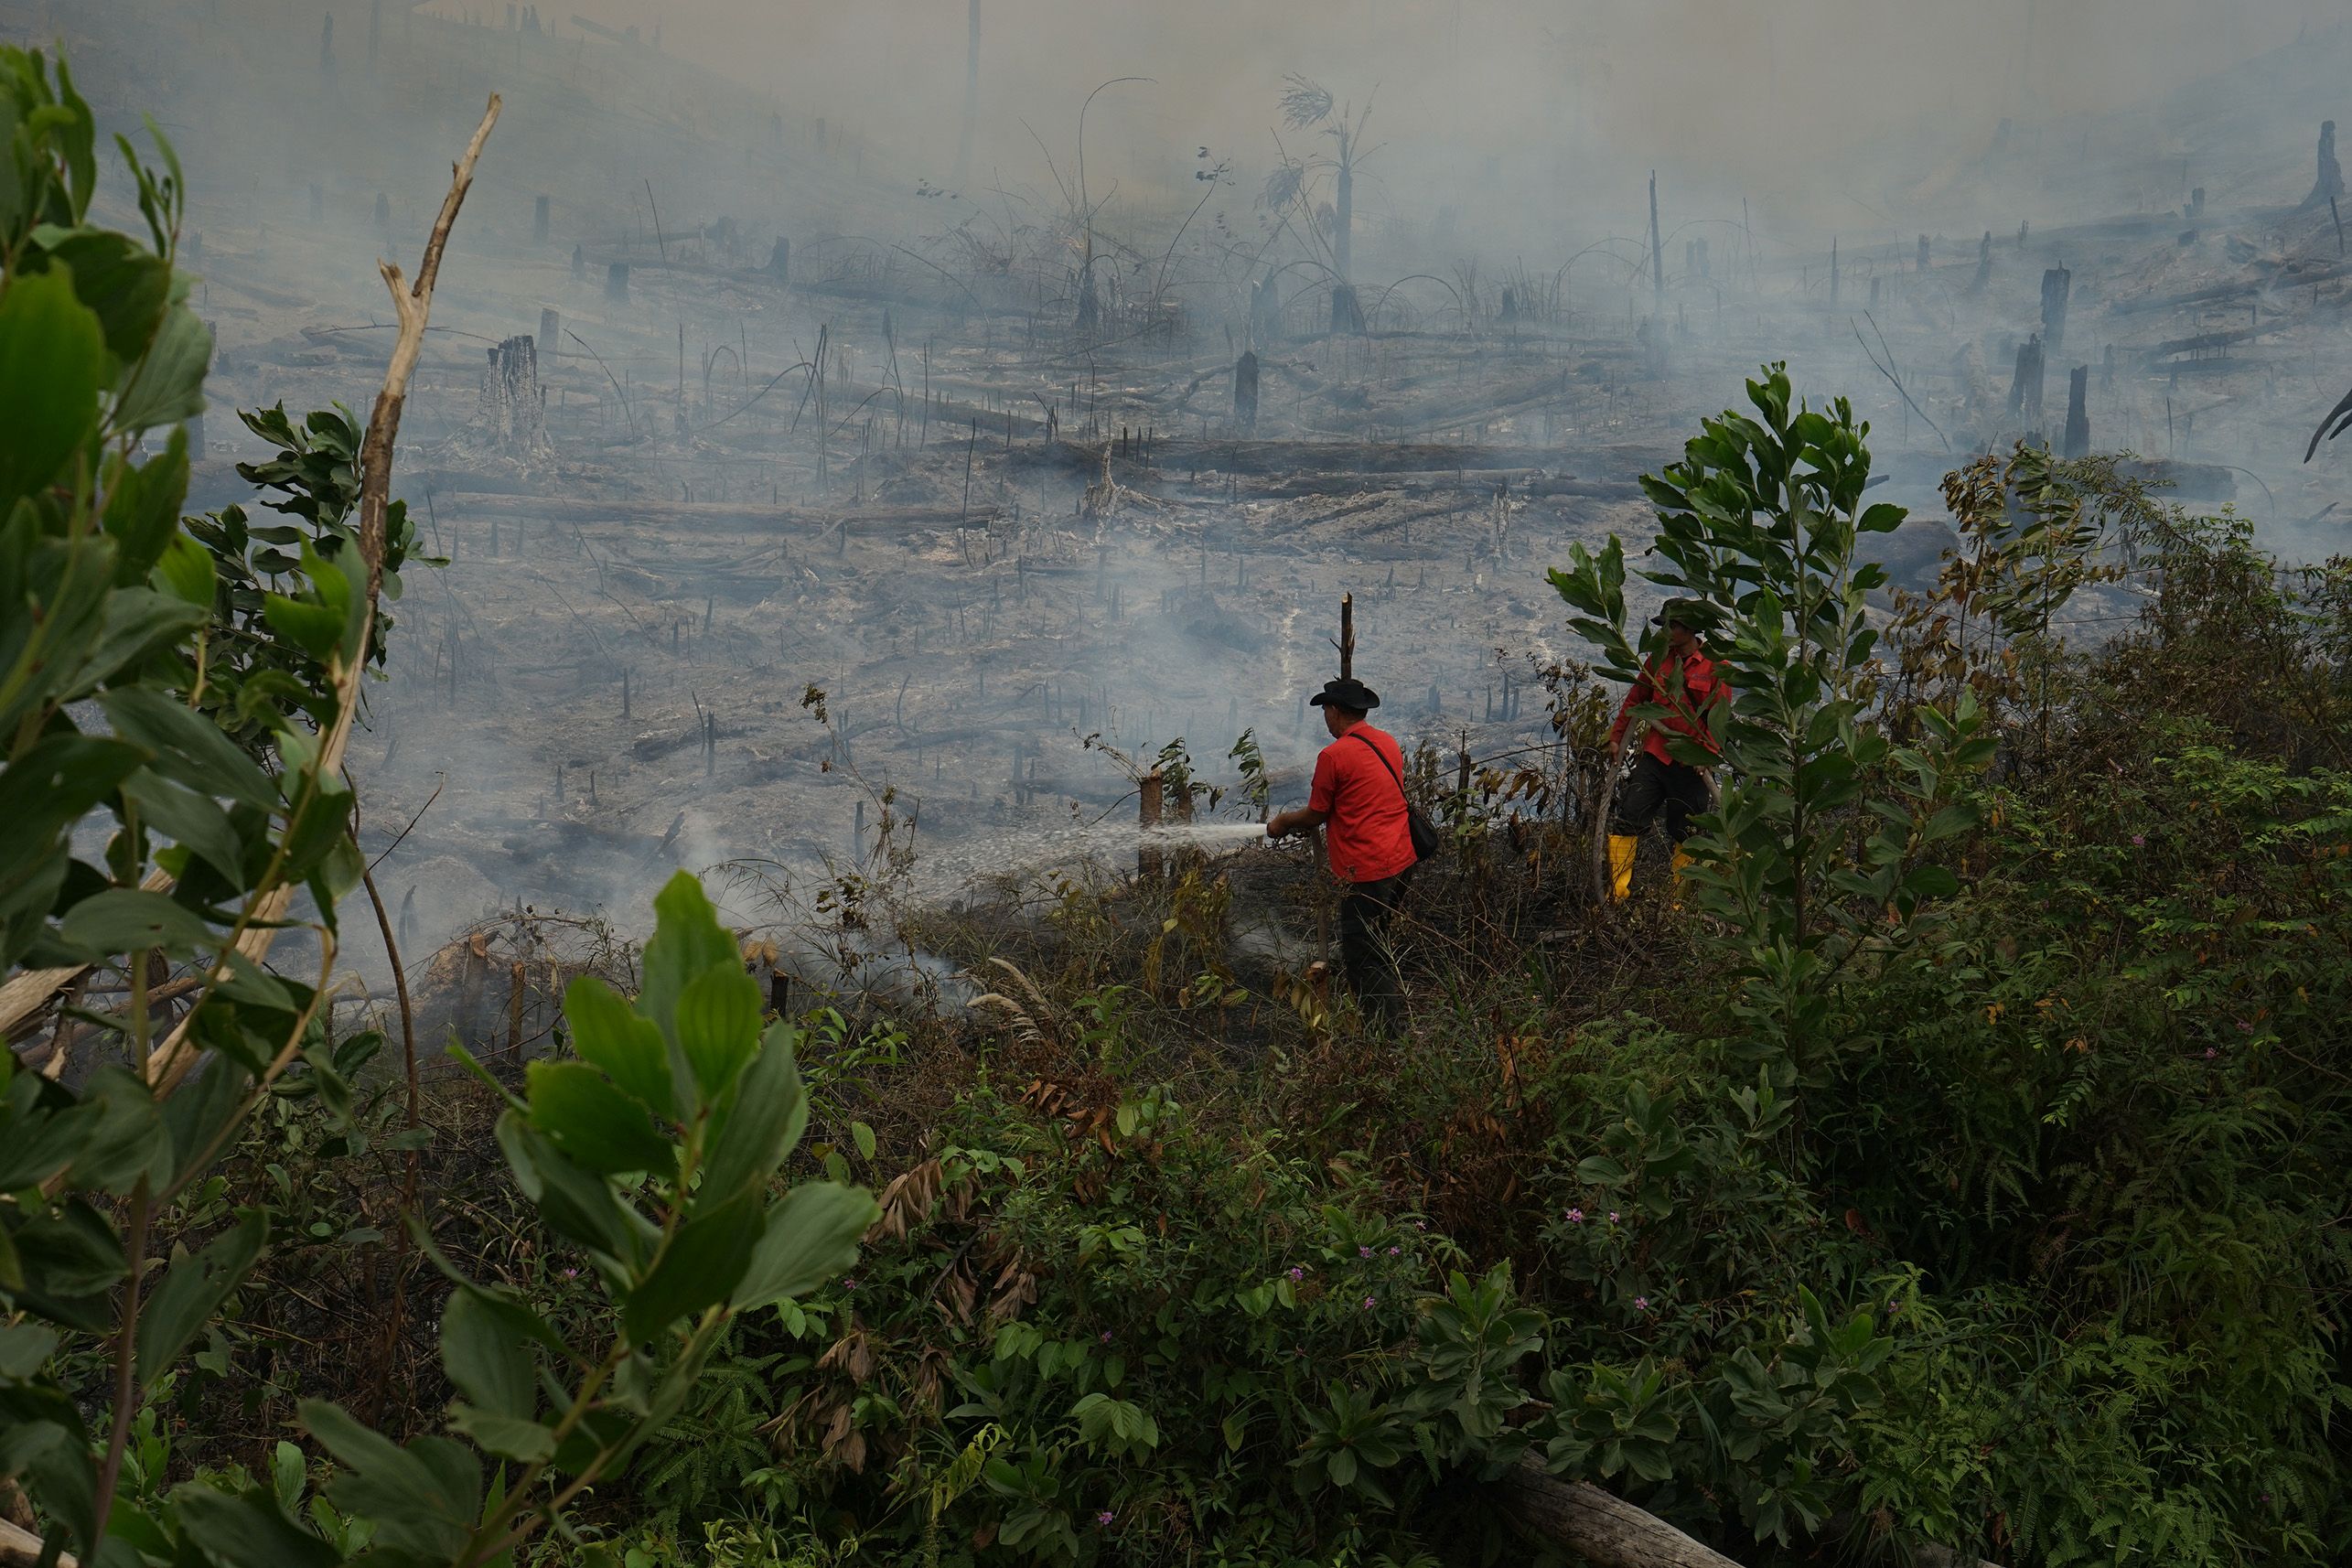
(1682, 680)
(1359, 798)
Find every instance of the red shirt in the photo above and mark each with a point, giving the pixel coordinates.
(1367, 833)
(1700, 689)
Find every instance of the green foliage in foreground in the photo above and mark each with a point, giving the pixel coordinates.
(148, 681)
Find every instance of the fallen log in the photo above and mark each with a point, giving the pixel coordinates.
(739, 515)
(22, 1549)
(1603, 1529)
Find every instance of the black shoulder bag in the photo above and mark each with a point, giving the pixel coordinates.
(1417, 827)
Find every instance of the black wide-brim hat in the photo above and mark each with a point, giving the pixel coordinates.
(1350, 693)
(1693, 614)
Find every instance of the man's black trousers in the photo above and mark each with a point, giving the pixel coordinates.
(1679, 790)
(1366, 953)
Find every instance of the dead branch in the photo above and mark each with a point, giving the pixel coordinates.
(171, 1060)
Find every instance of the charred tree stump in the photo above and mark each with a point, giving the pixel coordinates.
(2077, 438)
(1265, 312)
(579, 263)
(1148, 863)
(512, 414)
(779, 262)
(1924, 252)
(616, 283)
(551, 331)
(1597, 1526)
(2330, 183)
(2058, 286)
(1245, 391)
(2026, 387)
(1984, 265)
(1347, 309)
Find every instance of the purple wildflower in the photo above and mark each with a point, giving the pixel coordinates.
(1106, 1336)
(1576, 1217)
(1369, 1301)
(1363, 1252)
(1103, 1518)
(2139, 841)
(571, 1273)
(1296, 1274)
(1613, 1217)
(1641, 1303)
(1392, 1251)
(2211, 1053)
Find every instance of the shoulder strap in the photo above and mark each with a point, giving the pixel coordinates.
(1359, 735)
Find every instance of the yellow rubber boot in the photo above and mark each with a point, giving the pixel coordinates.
(1622, 848)
(1681, 862)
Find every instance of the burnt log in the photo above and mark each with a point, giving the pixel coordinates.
(1603, 1529)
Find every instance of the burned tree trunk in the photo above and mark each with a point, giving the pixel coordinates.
(1658, 249)
(1347, 309)
(1984, 265)
(512, 414)
(2025, 389)
(2078, 439)
(616, 283)
(1090, 306)
(1924, 252)
(2058, 285)
(2330, 183)
(1265, 312)
(779, 262)
(1245, 390)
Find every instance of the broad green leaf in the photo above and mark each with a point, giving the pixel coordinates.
(189, 819)
(687, 941)
(247, 1531)
(718, 1025)
(760, 1122)
(812, 1237)
(123, 1141)
(143, 507)
(126, 287)
(487, 1359)
(425, 1497)
(506, 1436)
(626, 1047)
(704, 1261)
(577, 1203)
(167, 387)
(316, 629)
(71, 1258)
(44, 1443)
(193, 1291)
(52, 359)
(136, 622)
(185, 571)
(132, 919)
(593, 1122)
(195, 752)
